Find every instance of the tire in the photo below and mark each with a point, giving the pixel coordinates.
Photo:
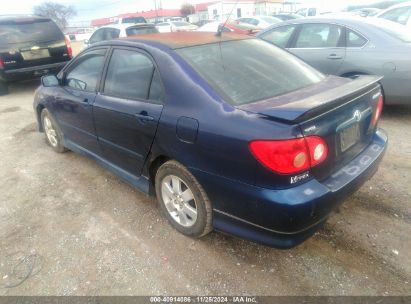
(52, 132)
(3, 88)
(175, 204)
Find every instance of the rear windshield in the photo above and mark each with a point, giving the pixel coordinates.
(131, 31)
(134, 20)
(40, 31)
(244, 71)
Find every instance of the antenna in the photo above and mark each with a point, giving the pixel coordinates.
(221, 27)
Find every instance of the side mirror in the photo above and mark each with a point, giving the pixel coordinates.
(50, 81)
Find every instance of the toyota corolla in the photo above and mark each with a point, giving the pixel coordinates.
(228, 132)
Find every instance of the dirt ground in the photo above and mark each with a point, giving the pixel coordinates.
(69, 227)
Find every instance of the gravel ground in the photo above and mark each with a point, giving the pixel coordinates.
(69, 227)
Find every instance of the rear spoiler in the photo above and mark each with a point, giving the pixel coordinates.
(312, 101)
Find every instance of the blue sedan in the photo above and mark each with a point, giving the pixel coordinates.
(229, 132)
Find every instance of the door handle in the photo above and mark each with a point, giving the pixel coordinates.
(143, 116)
(334, 56)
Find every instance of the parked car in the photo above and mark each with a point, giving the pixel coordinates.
(366, 11)
(400, 13)
(116, 31)
(287, 16)
(313, 11)
(203, 22)
(30, 47)
(348, 47)
(259, 21)
(175, 26)
(229, 132)
(230, 26)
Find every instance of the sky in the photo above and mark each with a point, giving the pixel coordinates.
(92, 9)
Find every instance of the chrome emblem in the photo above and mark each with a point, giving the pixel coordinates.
(357, 115)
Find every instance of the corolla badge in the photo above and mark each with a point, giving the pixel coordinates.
(357, 115)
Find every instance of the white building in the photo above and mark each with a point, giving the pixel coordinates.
(233, 9)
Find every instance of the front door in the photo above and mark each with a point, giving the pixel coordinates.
(321, 45)
(127, 111)
(73, 106)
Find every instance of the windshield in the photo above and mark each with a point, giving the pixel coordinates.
(271, 20)
(131, 31)
(30, 31)
(244, 71)
(181, 23)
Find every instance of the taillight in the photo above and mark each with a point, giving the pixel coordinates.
(378, 110)
(1, 64)
(68, 45)
(290, 156)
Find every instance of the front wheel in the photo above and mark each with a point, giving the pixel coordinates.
(3, 88)
(52, 132)
(183, 200)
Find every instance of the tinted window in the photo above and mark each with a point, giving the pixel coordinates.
(129, 75)
(279, 36)
(26, 31)
(400, 15)
(140, 30)
(156, 88)
(318, 36)
(244, 71)
(85, 72)
(111, 33)
(354, 39)
(134, 20)
(312, 12)
(97, 36)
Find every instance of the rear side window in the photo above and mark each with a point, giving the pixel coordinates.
(279, 36)
(244, 71)
(28, 31)
(140, 30)
(318, 36)
(354, 39)
(129, 75)
(111, 33)
(86, 71)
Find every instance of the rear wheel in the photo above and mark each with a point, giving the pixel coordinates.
(183, 200)
(3, 88)
(52, 132)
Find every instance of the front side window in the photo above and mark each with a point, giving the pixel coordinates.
(279, 36)
(86, 71)
(354, 39)
(97, 36)
(312, 12)
(111, 33)
(319, 36)
(129, 75)
(244, 71)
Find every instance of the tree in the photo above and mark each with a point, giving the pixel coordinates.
(57, 12)
(187, 9)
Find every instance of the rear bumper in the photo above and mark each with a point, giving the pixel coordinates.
(31, 72)
(285, 218)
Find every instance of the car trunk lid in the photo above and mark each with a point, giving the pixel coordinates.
(339, 110)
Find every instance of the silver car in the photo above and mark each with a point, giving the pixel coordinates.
(351, 46)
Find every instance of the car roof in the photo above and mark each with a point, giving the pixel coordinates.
(178, 40)
(399, 5)
(17, 17)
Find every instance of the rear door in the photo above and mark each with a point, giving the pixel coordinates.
(127, 111)
(31, 42)
(321, 45)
